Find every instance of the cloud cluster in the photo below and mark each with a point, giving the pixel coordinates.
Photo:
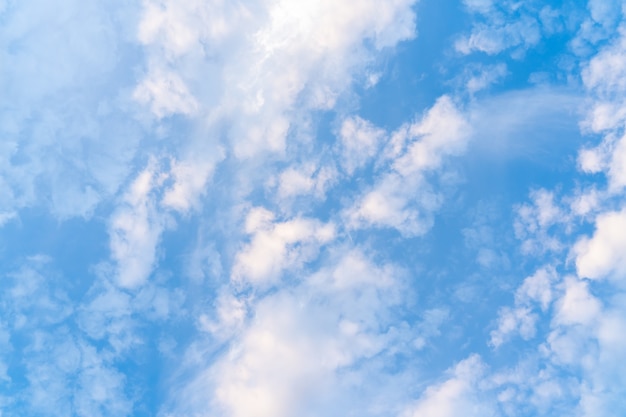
(204, 118)
(66, 145)
(401, 197)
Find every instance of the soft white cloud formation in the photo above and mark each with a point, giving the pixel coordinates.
(607, 13)
(485, 77)
(604, 254)
(359, 142)
(479, 6)
(303, 348)
(508, 25)
(68, 139)
(69, 377)
(535, 223)
(230, 315)
(59, 371)
(536, 290)
(430, 327)
(458, 395)
(166, 94)
(277, 246)
(605, 74)
(586, 202)
(190, 177)
(265, 58)
(390, 204)
(519, 320)
(136, 226)
(443, 131)
(308, 180)
(577, 305)
(587, 337)
(135, 229)
(32, 303)
(605, 78)
(106, 315)
(401, 197)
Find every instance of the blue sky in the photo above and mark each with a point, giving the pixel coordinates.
(270, 208)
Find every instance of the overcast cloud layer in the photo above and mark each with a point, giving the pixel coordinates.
(274, 208)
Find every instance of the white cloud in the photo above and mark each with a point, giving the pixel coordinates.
(458, 395)
(536, 289)
(135, 229)
(604, 254)
(587, 336)
(617, 167)
(31, 303)
(500, 35)
(605, 74)
(485, 77)
(586, 202)
(607, 13)
(359, 143)
(106, 316)
(442, 132)
(308, 180)
(535, 223)
(605, 78)
(518, 320)
(190, 181)
(480, 6)
(591, 160)
(166, 94)
(69, 377)
(230, 316)
(67, 142)
(401, 198)
(266, 60)
(277, 246)
(389, 205)
(577, 305)
(303, 348)
(59, 371)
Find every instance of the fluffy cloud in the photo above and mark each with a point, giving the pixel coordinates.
(507, 25)
(308, 180)
(536, 290)
(267, 56)
(605, 78)
(190, 179)
(67, 138)
(58, 370)
(485, 77)
(136, 228)
(304, 346)
(457, 395)
(166, 94)
(535, 223)
(602, 255)
(401, 198)
(359, 142)
(73, 379)
(277, 246)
